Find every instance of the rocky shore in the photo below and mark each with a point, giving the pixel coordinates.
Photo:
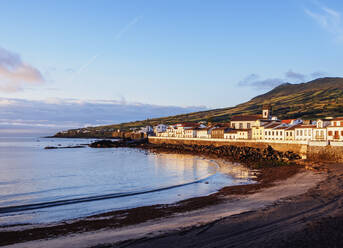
(253, 157)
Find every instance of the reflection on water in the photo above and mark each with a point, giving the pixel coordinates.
(31, 175)
(236, 170)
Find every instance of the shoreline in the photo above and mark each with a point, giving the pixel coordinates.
(105, 235)
(115, 220)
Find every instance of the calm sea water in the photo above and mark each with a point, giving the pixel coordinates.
(40, 186)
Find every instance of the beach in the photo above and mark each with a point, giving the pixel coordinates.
(234, 210)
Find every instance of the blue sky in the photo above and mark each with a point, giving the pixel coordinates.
(190, 54)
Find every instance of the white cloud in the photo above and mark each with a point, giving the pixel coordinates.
(16, 74)
(295, 75)
(5, 102)
(58, 114)
(254, 80)
(329, 19)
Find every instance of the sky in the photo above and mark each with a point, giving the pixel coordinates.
(76, 63)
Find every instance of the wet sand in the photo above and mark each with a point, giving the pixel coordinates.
(312, 219)
(178, 223)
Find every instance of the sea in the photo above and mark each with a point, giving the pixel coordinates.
(40, 185)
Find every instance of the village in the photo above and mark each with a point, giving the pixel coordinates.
(257, 128)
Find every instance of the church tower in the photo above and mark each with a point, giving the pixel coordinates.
(266, 112)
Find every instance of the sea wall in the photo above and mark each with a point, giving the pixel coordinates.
(299, 148)
(325, 153)
(312, 151)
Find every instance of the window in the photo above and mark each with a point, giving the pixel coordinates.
(330, 133)
(277, 133)
(297, 132)
(273, 133)
(301, 132)
(248, 125)
(240, 125)
(341, 133)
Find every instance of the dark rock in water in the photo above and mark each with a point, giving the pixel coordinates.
(51, 147)
(118, 143)
(104, 144)
(62, 147)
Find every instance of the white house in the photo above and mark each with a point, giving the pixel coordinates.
(290, 132)
(182, 127)
(190, 133)
(280, 132)
(170, 132)
(146, 129)
(270, 133)
(204, 133)
(258, 129)
(244, 121)
(160, 128)
(335, 129)
(230, 134)
(304, 132)
(237, 134)
(320, 132)
(243, 134)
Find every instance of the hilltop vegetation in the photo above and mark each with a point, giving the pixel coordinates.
(315, 99)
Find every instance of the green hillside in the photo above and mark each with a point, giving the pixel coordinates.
(318, 98)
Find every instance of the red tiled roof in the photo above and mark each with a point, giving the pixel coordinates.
(289, 121)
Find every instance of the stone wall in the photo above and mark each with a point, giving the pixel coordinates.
(300, 149)
(325, 153)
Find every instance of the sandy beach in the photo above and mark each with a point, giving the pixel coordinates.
(201, 222)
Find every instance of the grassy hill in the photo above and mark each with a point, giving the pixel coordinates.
(318, 98)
